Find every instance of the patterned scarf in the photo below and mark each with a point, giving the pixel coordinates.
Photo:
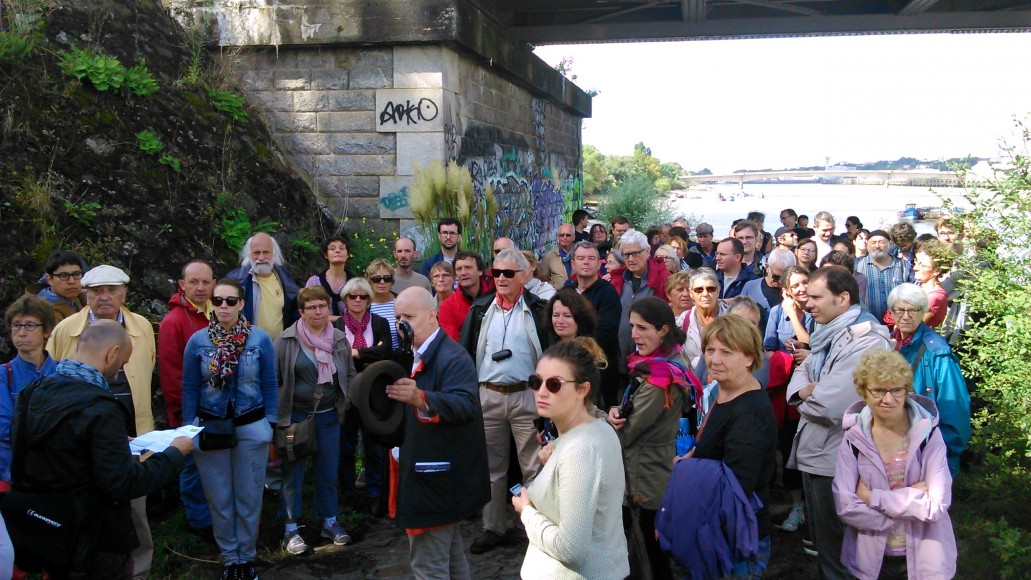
(74, 369)
(657, 369)
(228, 347)
(322, 344)
(357, 328)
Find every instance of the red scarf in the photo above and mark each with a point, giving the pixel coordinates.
(357, 328)
(899, 341)
(663, 373)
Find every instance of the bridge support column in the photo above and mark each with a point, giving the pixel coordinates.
(361, 95)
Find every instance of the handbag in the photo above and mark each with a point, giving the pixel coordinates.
(299, 440)
(218, 433)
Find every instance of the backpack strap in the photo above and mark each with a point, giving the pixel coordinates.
(18, 435)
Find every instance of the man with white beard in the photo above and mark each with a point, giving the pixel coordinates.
(271, 300)
(883, 272)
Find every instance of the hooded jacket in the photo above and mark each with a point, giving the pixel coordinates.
(76, 437)
(930, 542)
(175, 331)
(819, 431)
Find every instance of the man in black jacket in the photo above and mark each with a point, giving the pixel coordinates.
(443, 475)
(605, 300)
(503, 334)
(74, 441)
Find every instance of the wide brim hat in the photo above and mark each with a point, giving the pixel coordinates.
(380, 414)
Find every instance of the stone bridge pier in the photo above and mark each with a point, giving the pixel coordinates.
(359, 94)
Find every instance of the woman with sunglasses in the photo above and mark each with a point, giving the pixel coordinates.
(229, 371)
(705, 290)
(892, 487)
(806, 253)
(335, 251)
(31, 320)
(648, 418)
(381, 274)
(571, 511)
(315, 372)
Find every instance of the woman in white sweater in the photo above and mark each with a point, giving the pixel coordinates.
(572, 511)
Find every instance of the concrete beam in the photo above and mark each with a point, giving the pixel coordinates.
(460, 24)
(790, 26)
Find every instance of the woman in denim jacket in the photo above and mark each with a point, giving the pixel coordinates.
(229, 370)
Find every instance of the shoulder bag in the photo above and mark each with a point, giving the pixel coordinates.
(299, 440)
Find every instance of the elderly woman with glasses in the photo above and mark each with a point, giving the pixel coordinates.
(936, 371)
(31, 320)
(315, 371)
(442, 276)
(668, 255)
(705, 289)
(369, 337)
(892, 487)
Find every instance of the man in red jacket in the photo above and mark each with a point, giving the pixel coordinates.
(469, 269)
(188, 311)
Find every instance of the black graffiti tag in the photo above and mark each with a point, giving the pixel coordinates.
(408, 112)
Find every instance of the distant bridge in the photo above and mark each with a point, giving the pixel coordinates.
(919, 177)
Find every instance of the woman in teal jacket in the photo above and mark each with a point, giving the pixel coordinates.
(936, 372)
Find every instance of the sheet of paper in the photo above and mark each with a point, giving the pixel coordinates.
(158, 441)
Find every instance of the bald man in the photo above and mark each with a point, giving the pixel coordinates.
(445, 421)
(557, 263)
(79, 433)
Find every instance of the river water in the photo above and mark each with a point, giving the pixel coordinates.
(875, 205)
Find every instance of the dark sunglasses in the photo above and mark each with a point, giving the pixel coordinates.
(709, 289)
(358, 296)
(230, 300)
(498, 272)
(554, 384)
(379, 279)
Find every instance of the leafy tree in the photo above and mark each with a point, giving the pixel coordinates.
(596, 178)
(639, 201)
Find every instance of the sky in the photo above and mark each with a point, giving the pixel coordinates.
(792, 102)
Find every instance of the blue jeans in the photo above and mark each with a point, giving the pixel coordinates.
(233, 482)
(191, 492)
(374, 461)
(327, 433)
(754, 568)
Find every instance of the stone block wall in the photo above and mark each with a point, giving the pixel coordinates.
(357, 122)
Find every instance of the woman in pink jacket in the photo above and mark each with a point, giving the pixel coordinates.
(892, 485)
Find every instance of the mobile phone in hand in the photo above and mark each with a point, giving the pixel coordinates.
(516, 489)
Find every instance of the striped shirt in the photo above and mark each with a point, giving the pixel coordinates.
(880, 283)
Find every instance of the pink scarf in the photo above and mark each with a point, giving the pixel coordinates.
(322, 344)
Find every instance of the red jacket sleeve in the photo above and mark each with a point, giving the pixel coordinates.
(172, 337)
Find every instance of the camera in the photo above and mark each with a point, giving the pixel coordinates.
(501, 355)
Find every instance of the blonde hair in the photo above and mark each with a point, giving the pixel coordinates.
(738, 334)
(377, 265)
(881, 368)
(678, 279)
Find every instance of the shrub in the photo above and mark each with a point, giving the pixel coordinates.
(229, 103)
(107, 73)
(447, 191)
(171, 161)
(149, 143)
(637, 200)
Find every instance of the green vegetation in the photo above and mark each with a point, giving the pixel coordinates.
(171, 161)
(635, 186)
(107, 73)
(20, 29)
(229, 103)
(441, 191)
(83, 212)
(996, 286)
(364, 245)
(149, 143)
(233, 225)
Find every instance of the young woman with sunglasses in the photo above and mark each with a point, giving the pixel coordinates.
(571, 511)
(705, 290)
(315, 372)
(229, 371)
(648, 418)
(380, 274)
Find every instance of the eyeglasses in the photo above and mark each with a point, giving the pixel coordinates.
(357, 296)
(381, 279)
(316, 307)
(634, 255)
(554, 384)
(668, 258)
(565, 235)
(497, 251)
(896, 393)
(64, 276)
(499, 272)
(230, 300)
(807, 250)
(29, 326)
(776, 278)
(448, 234)
(903, 312)
(709, 289)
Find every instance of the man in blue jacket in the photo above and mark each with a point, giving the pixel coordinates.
(443, 475)
(271, 300)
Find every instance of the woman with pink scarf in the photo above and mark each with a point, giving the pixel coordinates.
(315, 370)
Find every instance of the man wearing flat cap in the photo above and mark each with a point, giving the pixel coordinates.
(105, 300)
(705, 248)
(443, 475)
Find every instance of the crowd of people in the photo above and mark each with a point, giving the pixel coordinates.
(639, 380)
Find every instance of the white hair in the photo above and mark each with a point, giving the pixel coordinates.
(633, 236)
(245, 253)
(910, 294)
(514, 256)
(781, 257)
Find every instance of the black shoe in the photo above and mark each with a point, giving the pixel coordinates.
(486, 542)
(229, 572)
(247, 572)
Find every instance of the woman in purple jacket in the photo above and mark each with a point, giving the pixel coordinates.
(892, 485)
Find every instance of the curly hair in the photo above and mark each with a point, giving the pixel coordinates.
(882, 368)
(583, 312)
